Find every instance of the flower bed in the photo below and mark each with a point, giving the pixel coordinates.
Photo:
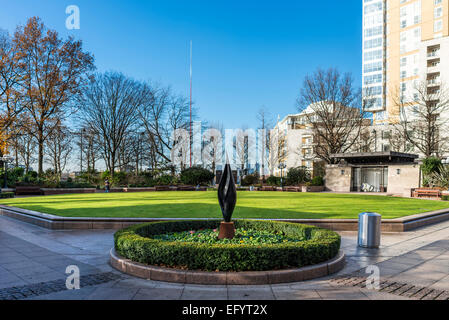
(171, 244)
(242, 236)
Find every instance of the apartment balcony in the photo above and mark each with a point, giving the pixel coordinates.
(433, 68)
(433, 54)
(433, 83)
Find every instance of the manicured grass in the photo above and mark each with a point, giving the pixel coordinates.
(258, 205)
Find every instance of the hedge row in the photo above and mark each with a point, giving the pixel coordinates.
(5, 195)
(135, 243)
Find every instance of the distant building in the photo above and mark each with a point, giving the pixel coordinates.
(291, 143)
(404, 42)
(390, 172)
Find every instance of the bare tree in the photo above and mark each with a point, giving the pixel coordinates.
(277, 144)
(423, 118)
(213, 147)
(54, 71)
(366, 141)
(163, 113)
(109, 106)
(11, 90)
(333, 107)
(244, 143)
(58, 148)
(265, 124)
(398, 140)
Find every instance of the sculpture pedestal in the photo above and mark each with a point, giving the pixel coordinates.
(227, 230)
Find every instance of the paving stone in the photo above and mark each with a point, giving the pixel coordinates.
(393, 287)
(443, 296)
(433, 295)
(159, 294)
(296, 294)
(43, 288)
(422, 293)
(404, 289)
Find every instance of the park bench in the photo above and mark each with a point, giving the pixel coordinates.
(162, 188)
(267, 188)
(427, 193)
(31, 190)
(292, 189)
(186, 188)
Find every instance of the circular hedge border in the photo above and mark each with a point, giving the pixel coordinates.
(136, 244)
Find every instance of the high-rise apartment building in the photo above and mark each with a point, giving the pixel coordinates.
(405, 45)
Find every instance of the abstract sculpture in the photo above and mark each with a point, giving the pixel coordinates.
(227, 197)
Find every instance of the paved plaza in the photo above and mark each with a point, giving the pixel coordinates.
(33, 261)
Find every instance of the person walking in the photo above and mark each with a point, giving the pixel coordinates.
(106, 185)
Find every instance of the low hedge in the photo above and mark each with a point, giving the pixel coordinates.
(136, 243)
(5, 195)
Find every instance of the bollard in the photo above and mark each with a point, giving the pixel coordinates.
(369, 230)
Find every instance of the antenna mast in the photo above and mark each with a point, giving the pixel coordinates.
(190, 106)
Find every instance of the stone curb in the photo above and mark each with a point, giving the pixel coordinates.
(59, 223)
(226, 278)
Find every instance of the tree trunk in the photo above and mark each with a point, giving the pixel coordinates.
(40, 141)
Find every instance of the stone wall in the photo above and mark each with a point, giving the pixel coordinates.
(402, 182)
(338, 178)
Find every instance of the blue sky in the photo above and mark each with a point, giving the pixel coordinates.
(246, 54)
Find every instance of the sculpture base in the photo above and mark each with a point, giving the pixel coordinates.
(227, 230)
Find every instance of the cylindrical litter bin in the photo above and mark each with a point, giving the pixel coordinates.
(369, 230)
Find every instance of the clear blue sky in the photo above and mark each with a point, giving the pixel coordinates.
(246, 53)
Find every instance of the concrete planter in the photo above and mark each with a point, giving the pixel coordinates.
(226, 278)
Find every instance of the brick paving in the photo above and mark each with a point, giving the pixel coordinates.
(396, 288)
(43, 288)
(33, 261)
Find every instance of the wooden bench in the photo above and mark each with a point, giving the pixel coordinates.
(28, 191)
(186, 188)
(292, 189)
(427, 193)
(267, 188)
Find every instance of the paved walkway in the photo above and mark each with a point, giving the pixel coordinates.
(33, 262)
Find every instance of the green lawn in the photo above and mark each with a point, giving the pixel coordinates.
(205, 205)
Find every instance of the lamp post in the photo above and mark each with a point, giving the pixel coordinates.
(5, 160)
(282, 166)
(83, 130)
(142, 137)
(375, 140)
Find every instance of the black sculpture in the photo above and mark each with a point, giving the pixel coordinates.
(227, 197)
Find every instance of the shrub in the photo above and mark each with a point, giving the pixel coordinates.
(5, 195)
(196, 176)
(297, 176)
(317, 181)
(430, 166)
(166, 180)
(250, 179)
(136, 243)
(445, 198)
(439, 178)
(274, 181)
(31, 178)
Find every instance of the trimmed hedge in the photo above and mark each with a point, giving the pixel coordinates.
(136, 244)
(5, 195)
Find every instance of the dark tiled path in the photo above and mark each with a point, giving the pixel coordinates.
(31, 256)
